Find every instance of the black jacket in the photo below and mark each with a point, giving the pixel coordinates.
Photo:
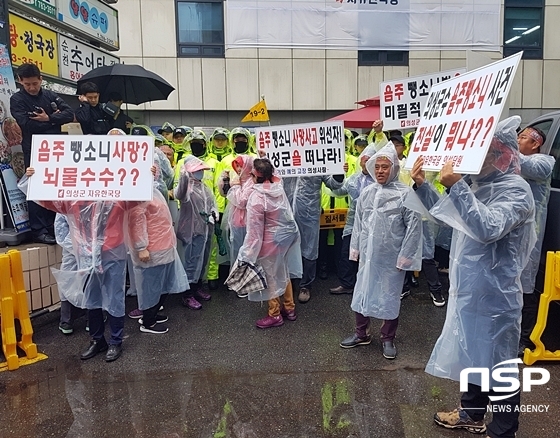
(22, 103)
(93, 119)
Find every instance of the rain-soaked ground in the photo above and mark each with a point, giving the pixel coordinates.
(215, 375)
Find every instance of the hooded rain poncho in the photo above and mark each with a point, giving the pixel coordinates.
(386, 240)
(271, 234)
(493, 235)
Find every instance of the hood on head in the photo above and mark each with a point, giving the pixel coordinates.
(390, 153)
(193, 164)
(503, 152)
(166, 127)
(246, 164)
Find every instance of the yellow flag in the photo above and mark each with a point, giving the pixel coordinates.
(257, 113)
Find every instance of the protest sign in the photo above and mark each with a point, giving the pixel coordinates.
(307, 149)
(402, 100)
(460, 117)
(91, 167)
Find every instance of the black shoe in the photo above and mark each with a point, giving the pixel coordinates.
(213, 284)
(389, 350)
(94, 348)
(414, 281)
(405, 293)
(354, 341)
(46, 239)
(437, 299)
(113, 353)
(66, 328)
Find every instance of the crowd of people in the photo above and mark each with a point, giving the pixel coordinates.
(216, 202)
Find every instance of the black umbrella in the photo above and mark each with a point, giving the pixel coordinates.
(133, 82)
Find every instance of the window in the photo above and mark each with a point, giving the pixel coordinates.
(382, 57)
(200, 29)
(524, 28)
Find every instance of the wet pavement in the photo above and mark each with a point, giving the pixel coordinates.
(214, 374)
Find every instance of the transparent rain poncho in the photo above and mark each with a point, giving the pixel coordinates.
(493, 235)
(195, 225)
(536, 169)
(235, 214)
(272, 238)
(164, 173)
(353, 186)
(386, 240)
(304, 195)
(64, 240)
(150, 228)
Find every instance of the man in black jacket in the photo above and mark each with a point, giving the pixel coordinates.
(38, 111)
(91, 116)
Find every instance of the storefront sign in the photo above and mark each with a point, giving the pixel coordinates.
(93, 18)
(47, 7)
(33, 44)
(76, 59)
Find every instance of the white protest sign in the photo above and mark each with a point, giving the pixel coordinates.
(402, 100)
(304, 150)
(91, 168)
(460, 117)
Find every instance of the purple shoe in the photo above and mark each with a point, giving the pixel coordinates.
(191, 303)
(135, 314)
(270, 321)
(200, 293)
(290, 315)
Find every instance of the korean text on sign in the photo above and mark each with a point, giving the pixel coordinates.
(31, 43)
(94, 167)
(76, 58)
(402, 100)
(303, 150)
(460, 117)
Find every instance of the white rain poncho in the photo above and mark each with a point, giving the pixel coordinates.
(96, 229)
(536, 169)
(353, 186)
(195, 226)
(271, 234)
(386, 240)
(304, 196)
(64, 240)
(493, 234)
(164, 173)
(150, 228)
(235, 219)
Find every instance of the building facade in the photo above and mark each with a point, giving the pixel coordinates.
(183, 41)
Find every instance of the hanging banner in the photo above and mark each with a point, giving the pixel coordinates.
(303, 150)
(33, 44)
(91, 168)
(46, 7)
(402, 100)
(364, 24)
(93, 18)
(76, 58)
(15, 199)
(460, 117)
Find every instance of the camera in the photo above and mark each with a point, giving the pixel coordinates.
(109, 108)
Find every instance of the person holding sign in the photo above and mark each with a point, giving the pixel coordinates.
(493, 236)
(38, 111)
(387, 241)
(304, 194)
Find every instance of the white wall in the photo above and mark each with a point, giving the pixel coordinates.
(301, 80)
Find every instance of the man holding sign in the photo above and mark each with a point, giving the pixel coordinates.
(493, 234)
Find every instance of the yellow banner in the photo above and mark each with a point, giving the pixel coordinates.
(335, 218)
(33, 44)
(258, 113)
